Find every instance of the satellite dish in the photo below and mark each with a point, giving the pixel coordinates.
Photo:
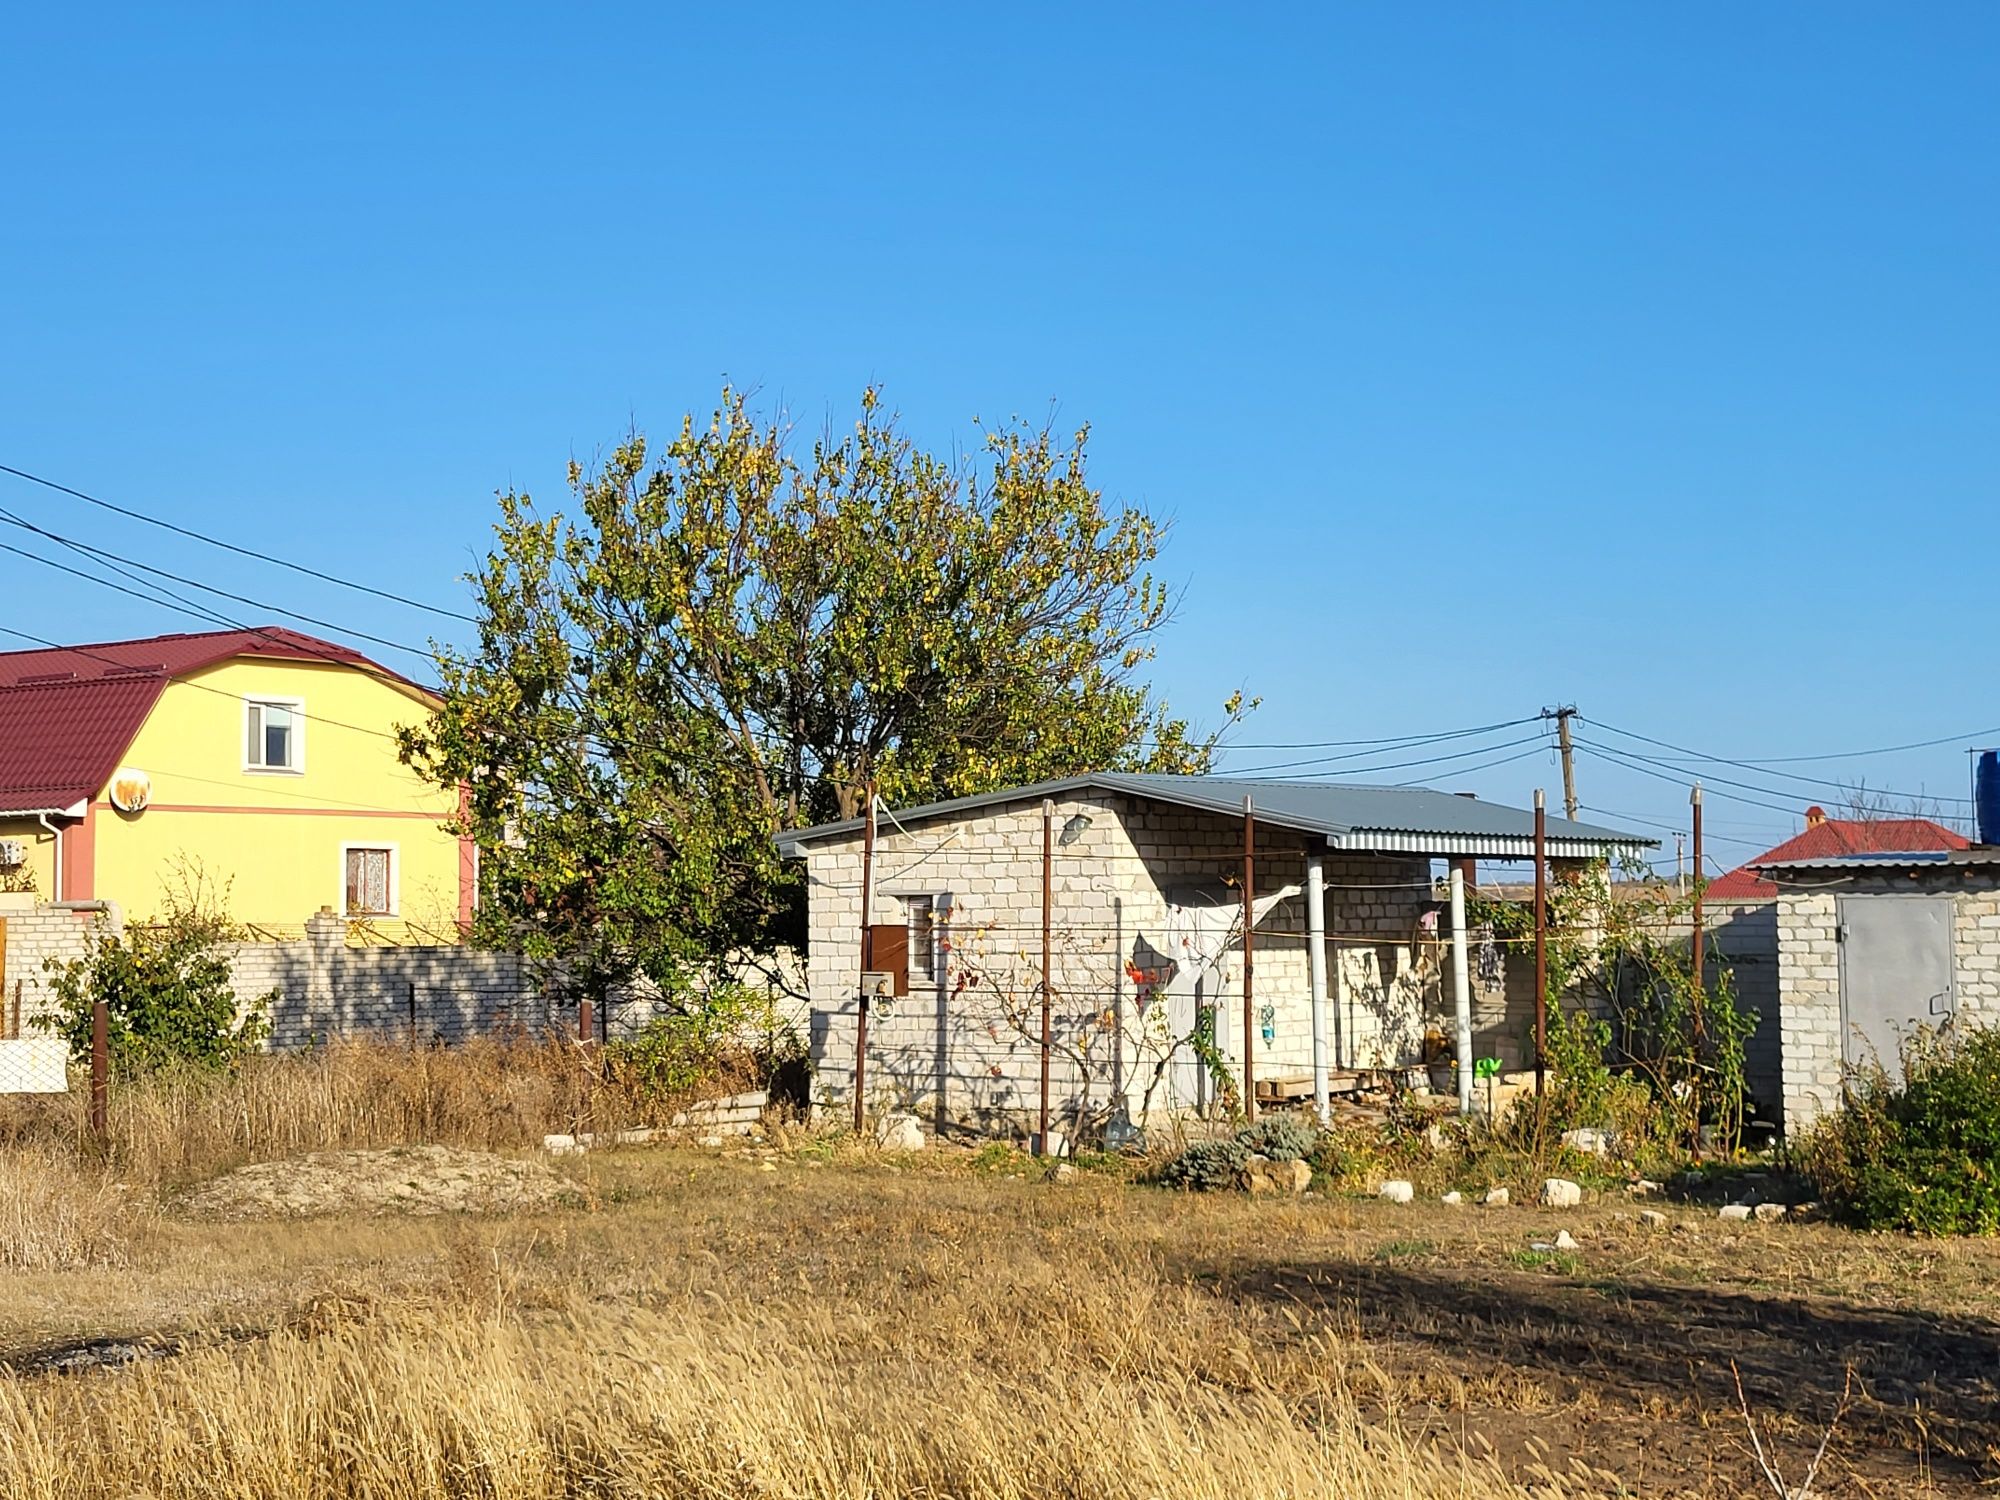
(131, 790)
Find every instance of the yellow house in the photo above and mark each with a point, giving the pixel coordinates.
(262, 760)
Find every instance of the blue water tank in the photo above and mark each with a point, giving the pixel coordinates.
(1986, 797)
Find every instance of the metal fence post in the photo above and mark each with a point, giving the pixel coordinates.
(100, 1070)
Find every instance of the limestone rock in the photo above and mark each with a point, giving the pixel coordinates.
(1560, 1192)
(899, 1133)
(1644, 1188)
(1286, 1178)
(709, 1142)
(1396, 1190)
(1452, 1200)
(1497, 1197)
(1735, 1212)
(1652, 1218)
(1587, 1140)
(1061, 1172)
(1566, 1241)
(1768, 1213)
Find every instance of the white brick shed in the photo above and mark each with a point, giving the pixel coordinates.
(1146, 900)
(1872, 946)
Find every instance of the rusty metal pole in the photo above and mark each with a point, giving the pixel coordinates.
(1696, 956)
(1541, 940)
(867, 961)
(1048, 906)
(586, 1024)
(1249, 958)
(100, 1070)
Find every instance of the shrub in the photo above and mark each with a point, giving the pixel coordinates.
(166, 989)
(1922, 1154)
(694, 1043)
(1206, 1166)
(1280, 1138)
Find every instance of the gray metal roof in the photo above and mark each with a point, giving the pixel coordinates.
(1978, 854)
(1370, 819)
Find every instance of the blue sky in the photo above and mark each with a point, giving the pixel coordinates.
(1486, 358)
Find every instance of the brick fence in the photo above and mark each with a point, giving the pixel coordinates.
(321, 986)
(314, 988)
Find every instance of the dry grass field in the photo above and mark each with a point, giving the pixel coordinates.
(807, 1318)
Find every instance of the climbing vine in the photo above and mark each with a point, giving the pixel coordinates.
(1632, 1031)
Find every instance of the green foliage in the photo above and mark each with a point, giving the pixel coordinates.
(675, 1052)
(1581, 1085)
(1674, 1061)
(1214, 1061)
(1922, 1154)
(1206, 1167)
(1562, 1262)
(731, 639)
(166, 991)
(1279, 1138)
(1347, 1159)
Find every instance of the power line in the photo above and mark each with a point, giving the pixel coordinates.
(1539, 741)
(119, 565)
(1618, 758)
(1397, 742)
(167, 599)
(250, 552)
(1765, 767)
(1708, 779)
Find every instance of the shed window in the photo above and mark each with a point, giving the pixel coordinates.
(275, 734)
(923, 936)
(370, 882)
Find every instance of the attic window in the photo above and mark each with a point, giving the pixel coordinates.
(275, 734)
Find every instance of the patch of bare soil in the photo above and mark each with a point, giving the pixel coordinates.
(1641, 1376)
(402, 1180)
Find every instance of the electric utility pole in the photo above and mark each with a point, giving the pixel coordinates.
(1562, 717)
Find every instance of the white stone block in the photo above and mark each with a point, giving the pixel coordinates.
(1560, 1192)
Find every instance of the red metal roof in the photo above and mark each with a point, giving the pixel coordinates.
(1830, 839)
(68, 713)
(174, 655)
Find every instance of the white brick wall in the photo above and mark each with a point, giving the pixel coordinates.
(323, 987)
(966, 1052)
(1808, 942)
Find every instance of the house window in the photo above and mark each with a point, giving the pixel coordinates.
(275, 734)
(371, 881)
(923, 912)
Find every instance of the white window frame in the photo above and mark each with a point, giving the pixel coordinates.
(298, 709)
(940, 922)
(395, 880)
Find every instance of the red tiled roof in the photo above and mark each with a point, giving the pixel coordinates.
(68, 713)
(1830, 839)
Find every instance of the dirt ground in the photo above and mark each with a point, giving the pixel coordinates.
(401, 1180)
(1623, 1355)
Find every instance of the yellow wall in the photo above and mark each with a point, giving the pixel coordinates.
(274, 837)
(40, 866)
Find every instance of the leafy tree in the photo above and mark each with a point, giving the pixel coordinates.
(166, 988)
(735, 639)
